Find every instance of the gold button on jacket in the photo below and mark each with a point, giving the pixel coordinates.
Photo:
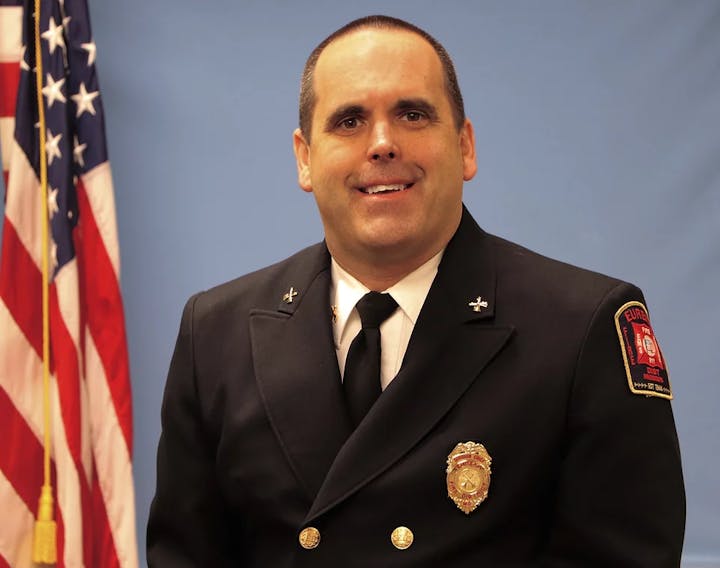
(309, 538)
(402, 538)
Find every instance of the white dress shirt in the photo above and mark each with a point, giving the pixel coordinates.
(395, 332)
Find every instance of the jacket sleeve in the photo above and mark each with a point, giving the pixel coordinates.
(621, 500)
(185, 526)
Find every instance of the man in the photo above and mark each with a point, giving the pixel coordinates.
(524, 418)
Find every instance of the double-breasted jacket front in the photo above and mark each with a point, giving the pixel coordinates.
(257, 445)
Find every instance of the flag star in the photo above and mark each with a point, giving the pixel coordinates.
(52, 146)
(84, 100)
(23, 64)
(91, 48)
(53, 90)
(54, 35)
(70, 214)
(66, 22)
(78, 150)
(52, 202)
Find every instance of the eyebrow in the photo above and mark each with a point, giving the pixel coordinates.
(417, 104)
(343, 112)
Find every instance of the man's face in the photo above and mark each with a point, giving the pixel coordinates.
(386, 161)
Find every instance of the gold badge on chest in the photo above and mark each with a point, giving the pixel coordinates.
(468, 475)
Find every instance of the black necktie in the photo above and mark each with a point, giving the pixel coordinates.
(362, 366)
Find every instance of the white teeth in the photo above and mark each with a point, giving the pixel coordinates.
(379, 188)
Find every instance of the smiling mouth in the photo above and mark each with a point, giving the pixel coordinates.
(389, 188)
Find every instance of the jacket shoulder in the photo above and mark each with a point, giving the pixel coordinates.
(265, 287)
(525, 271)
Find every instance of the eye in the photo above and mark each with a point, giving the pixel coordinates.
(346, 123)
(349, 123)
(413, 116)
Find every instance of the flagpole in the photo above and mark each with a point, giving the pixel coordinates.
(45, 534)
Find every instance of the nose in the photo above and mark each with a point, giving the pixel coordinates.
(382, 146)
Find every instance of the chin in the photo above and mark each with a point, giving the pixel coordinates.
(385, 232)
(390, 246)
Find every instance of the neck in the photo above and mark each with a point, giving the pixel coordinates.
(381, 275)
(382, 267)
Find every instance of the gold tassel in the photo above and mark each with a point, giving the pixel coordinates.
(45, 536)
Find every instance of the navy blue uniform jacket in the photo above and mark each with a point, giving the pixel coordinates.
(256, 442)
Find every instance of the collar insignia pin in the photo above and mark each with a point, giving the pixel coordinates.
(289, 295)
(478, 304)
(468, 475)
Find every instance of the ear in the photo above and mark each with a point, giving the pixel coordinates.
(302, 158)
(467, 147)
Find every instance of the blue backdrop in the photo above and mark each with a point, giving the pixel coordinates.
(598, 131)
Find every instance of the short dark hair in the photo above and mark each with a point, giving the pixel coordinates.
(307, 93)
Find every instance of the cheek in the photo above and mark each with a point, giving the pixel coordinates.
(438, 153)
(329, 166)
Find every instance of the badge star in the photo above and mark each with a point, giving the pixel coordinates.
(54, 35)
(52, 202)
(91, 48)
(53, 90)
(78, 150)
(52, 146)
(84, 100)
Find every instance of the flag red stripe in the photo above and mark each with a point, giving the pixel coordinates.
(9, 81)
(67, 372)
(3, 563)
(88, 521)
(101, 291)
(21, 286)
(20, 447)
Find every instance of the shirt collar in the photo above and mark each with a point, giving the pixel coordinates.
(410, 292)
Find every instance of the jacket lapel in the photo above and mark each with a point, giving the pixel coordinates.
(297, 372)
(435, 372)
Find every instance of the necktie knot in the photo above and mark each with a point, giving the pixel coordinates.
(374, 308)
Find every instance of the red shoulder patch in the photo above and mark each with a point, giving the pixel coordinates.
(644, 363)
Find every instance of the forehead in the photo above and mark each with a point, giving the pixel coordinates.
(379, 62)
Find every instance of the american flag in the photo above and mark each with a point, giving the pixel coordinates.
(90, 401)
